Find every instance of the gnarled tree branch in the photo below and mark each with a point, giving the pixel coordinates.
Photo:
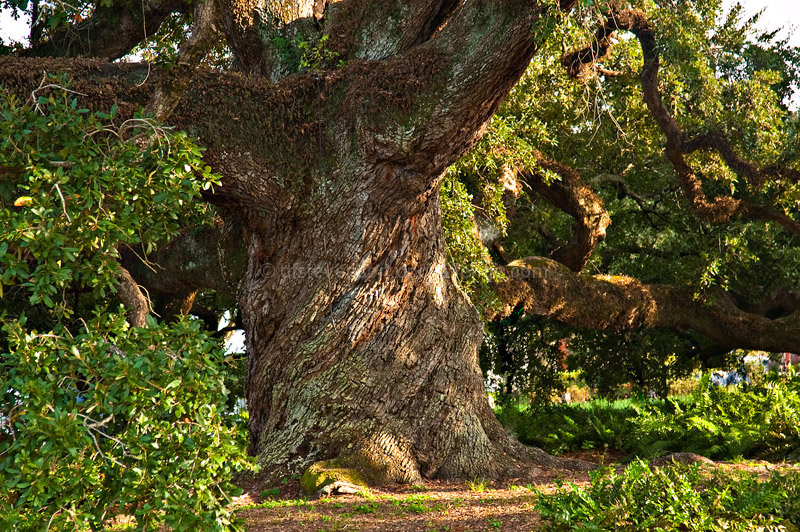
(261, 37)
(172, 84)
(574, 197)
(469, 66)
(615, 303)
(111, 32)
(722, 208)
(376, 30)
(211, 258)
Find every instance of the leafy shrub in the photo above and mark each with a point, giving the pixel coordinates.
(76, 186)
(759, 421)
(559, 427)
(97, 418)
(104, 424)
(674, 498)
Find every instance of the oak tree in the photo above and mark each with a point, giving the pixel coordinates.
(333, 124)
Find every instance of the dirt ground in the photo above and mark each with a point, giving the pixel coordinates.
(436, 506)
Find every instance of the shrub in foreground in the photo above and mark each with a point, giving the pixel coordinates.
(101, 425)
(674, 498)
(98, 418)
(571, 426)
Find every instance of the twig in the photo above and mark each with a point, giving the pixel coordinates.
(63, 202)
(42, 86)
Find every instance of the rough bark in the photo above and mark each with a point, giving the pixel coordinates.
(618, 303)
(171, 87)
(361, 346)
(333, 370)
(339, 275)
(134, 300)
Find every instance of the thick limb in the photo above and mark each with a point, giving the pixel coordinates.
(111, 32)
(572, 195)
(618, 303)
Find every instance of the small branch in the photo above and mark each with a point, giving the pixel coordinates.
(721, 145)
(94, 426)
(42, 86)
(111, 32)
(63, 202)
(133, 299)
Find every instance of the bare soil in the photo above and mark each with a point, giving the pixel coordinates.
(436, 506)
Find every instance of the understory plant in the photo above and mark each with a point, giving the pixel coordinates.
(760, 421)
(114, 421)
(678, 497)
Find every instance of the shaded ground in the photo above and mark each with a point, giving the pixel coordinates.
(436, 506)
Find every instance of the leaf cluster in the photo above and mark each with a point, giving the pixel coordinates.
(114, 421)
(75, 187)
(762, 421)
(98, 419)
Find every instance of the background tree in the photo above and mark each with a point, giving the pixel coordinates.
(332, 125)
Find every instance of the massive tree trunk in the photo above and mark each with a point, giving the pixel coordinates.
(360, 343)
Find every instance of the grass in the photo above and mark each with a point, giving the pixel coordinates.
(416, 503)
(640, 498)
(285, 503)
(478, 484)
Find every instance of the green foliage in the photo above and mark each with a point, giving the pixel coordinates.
(465, 250)
(639, 361)
(478, 484)
(76, 185)
(416, 503)
(300, 53)
(528, 355)
(532, 354)
(674, 498)
(97, 418)
(115, 420)
(718, 73)
(559, 427)
(761, 421)
(314, 56)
